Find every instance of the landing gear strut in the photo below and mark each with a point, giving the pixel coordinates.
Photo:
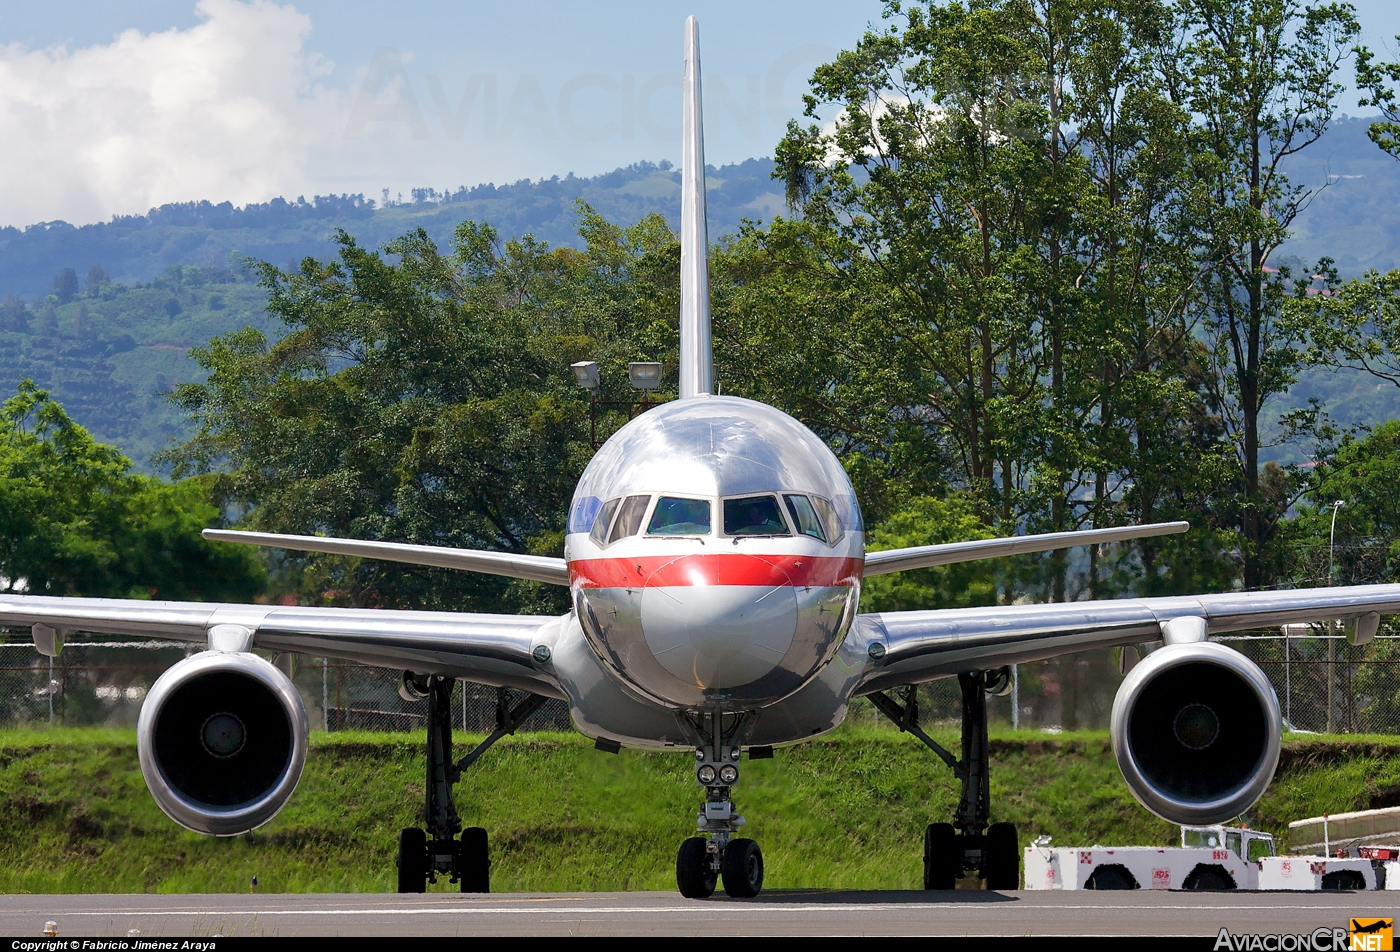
(716, 853)
(425, 854)
(969, 842)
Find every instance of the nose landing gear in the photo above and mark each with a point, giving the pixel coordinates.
(715, 855)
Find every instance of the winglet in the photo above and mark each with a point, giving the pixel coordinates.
(697, 368)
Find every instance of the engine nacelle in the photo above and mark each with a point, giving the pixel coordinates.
(1196, 730)
(222, 740)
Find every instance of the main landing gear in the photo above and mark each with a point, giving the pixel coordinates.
(717, 854)
(423, 854)
(969, 842)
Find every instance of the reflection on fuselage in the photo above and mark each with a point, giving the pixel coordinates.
(715, 551)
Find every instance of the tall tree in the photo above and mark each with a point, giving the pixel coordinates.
(1261, 79)
(428, 399)
(74, 519)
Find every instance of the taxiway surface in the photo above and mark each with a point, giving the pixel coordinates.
(780, 912)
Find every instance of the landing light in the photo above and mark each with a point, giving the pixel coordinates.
(706, 774)
(728, 773)
(644, 375)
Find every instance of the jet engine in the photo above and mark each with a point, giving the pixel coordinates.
(1196, 730)
(222, 740)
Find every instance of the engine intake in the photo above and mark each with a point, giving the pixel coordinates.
(1196, 730)
(222, 741)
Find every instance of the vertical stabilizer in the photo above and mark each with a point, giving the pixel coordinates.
(696, 370)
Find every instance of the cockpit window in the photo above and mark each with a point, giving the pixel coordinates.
(753, 516)
(599, 533)
(830, 521)
(629, 518)
(674, 516)
(804, 517)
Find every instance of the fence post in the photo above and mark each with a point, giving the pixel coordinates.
(325, 694)
(1015, 697)
(1331, 694)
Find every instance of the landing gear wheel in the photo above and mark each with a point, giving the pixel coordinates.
(1209, 879)
(474, 861)
(1001, 859)
(413, 861)
(742, 869)
(695, 877)
(942, 862)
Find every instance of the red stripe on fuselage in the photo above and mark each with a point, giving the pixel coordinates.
(729, 569)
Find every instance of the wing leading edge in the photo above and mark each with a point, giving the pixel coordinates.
(927, 556)
(923, 645)
(536, 568)
(489, 649)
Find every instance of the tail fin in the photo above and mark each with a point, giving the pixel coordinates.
(697, 368)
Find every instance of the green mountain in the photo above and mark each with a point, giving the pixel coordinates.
(176, 276)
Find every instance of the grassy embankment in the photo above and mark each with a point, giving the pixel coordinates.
(845, 811)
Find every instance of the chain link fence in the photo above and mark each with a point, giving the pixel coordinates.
(1324, 684)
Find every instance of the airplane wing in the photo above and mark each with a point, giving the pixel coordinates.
(536, 568)
(927, 556)
(908, 647)
(488, 649)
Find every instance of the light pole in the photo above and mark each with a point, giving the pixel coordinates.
(644, 375)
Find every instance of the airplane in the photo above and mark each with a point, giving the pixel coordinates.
(714, 557)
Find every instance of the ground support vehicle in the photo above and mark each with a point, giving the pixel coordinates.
(1311, 873)
(1209, 858)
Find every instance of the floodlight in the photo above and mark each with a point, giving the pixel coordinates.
(586, 373)
(645, 375)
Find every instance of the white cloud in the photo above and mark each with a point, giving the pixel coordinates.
(225, 110)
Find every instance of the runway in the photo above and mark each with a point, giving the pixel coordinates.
(780, 912)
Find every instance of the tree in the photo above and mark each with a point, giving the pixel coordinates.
(96, 278)
(74, 520)
(1352, 325)
(995, 233)
(428, 399)
(65, 285)
(1260, 76)
(13, 315)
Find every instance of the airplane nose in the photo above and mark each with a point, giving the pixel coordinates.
(719, 621)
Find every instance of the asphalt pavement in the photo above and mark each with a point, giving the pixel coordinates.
(777, 912)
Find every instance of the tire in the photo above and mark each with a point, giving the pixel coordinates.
(1111, 876)
(694, 876)
(742, 869)
(474, 861)
(1209, 879)
(1001, 857)
(413, 861)
(1344, 879)
(942, 862)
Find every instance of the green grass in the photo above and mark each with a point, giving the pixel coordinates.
(844, 811)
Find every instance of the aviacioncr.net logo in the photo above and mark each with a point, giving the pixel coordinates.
(1373, 934)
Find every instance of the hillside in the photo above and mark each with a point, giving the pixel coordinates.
(138, 248)
(108, 354)
(846, 811)
(176, 276)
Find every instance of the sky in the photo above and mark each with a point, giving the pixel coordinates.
(115, 107)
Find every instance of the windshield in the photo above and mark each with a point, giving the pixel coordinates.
(753, 516)
(1194, 836)
(804, 516)
(629, 519)
(600, 525)
(675, 516)
(1259, 847)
